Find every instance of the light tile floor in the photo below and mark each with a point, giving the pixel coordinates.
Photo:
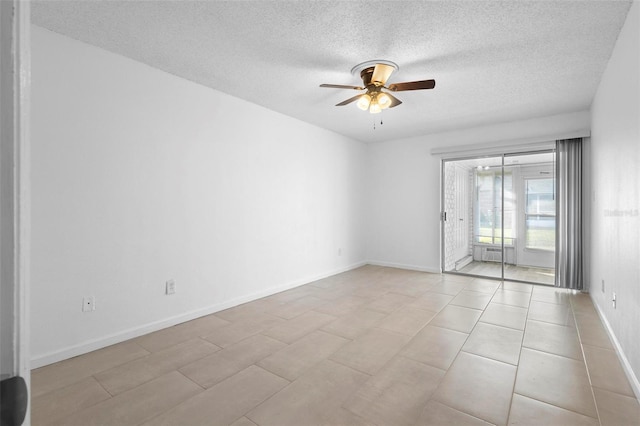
(373, 346)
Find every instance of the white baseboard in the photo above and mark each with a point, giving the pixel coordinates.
(633, 379)
(404, 266)
(104, 341)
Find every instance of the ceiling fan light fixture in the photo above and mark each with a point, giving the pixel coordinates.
(384, 100)
(374, 75)
(364, 102)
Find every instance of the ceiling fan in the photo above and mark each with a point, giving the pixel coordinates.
(374, 76)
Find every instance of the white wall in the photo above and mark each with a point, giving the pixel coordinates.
(615, 221)
(404, 198)
(140, 177)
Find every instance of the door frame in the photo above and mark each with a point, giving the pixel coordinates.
(15, 220)
(443, 218)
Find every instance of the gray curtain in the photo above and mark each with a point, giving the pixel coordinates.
(569, 253)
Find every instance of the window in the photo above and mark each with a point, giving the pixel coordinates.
(540, 214)
(489, 207)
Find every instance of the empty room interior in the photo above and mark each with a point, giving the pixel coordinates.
(334, 213)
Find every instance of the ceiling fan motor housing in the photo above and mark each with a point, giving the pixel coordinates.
(366, 75)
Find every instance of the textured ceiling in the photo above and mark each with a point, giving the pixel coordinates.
(492, 61)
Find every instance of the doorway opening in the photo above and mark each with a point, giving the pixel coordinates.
(499, 218)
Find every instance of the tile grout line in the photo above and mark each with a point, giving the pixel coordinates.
(524, 331)
(561, 356)
(190, 379)
(93, 405)
(457, 355)
(102, 386)
(397, 354)
(584, 356)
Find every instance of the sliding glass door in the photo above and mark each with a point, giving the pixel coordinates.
(498, 217)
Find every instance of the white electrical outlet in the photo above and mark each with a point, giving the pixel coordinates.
(340, 252)
(170, 287)
(88, 303)
(613, 300)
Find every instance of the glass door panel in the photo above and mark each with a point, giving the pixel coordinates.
(472, 217)
(499, 217)
(535, 217)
